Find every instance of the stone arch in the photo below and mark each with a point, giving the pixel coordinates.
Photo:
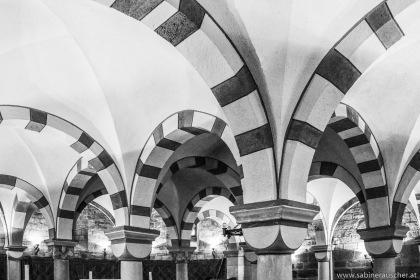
(193, 208)
(220, 218)
(34, 195)
(77, 139)
(230, 178)
(337, 72)
(5, 226)
(89, 199)
(357, 135)
(104, 211)
(72, 189)
(164, 141)
(409, 180)
(343, 209)
(334, 170)
(23, 208)
(168, 220)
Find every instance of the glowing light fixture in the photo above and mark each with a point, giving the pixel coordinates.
(229, 232)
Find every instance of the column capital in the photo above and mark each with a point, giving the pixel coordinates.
(131, 243)
(249, 252)
(383, 242)
(181, 254)
(15, 252)
(322, 252)
(276, 226)
(61, 248)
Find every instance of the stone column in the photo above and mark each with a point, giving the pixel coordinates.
(181, 256)
(14, 262)
(61, 250)
(383, 244)
(235, 264)
(274, 229)
(250, 263)
(323, 256)
(131, 245)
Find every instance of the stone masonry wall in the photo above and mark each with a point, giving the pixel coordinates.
(90, 228)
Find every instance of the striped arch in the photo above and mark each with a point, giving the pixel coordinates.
(340, 68)
(216, 215)
(5, 226)
(71, 192)
(164, 141)
(98, 158)
(90, 199)
(104, 211)
(220, 218)
(23, 208)
(195, 34)
(194, 207)
(409, 180)
(228, 176)
(168, 220)
(340, 212)
(333, 170)
(34, 195)
(354, 131)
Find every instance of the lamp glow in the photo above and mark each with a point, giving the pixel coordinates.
(35, 238)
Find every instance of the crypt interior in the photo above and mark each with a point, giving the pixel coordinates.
(209, 139)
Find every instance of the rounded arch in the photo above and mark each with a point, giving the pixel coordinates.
(34, 195)
(5, 226)
(333, 170)
(322, 169)
(104, 211)
(89, 198)
(336, 73)
(343, 209)
(408, 182)
(70, 195)
(357, 135)
(230, 178)
(162, 143)
(216, 215)
(168, 220)
(193, 208)
(77, 139)
(220, 218)
(23, 208)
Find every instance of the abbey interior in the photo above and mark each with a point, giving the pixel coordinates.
(209, 139)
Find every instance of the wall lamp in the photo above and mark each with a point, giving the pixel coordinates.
(229, 232)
